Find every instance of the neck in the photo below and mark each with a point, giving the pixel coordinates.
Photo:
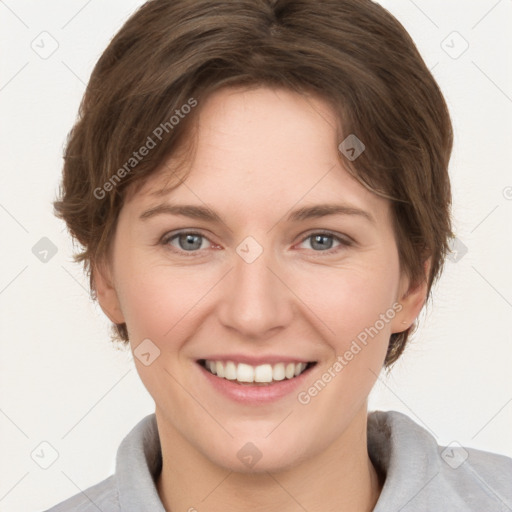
(341, 478)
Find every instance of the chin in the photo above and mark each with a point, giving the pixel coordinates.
(254, 458)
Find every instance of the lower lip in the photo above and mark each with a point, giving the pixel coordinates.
(254, 395)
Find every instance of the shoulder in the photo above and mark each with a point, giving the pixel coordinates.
(477, 477)
(132, 487)
(421, 475)
(101, 496)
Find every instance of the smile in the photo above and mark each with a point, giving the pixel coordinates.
(261, 374)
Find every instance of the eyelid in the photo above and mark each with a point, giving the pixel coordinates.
(339, 236)
(344, 241)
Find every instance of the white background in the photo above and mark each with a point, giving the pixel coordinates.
(62, 381)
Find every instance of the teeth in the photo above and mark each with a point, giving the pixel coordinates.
(289, 373)
(264, 373)
(219, 369)
(245, 373)
(230, 371)
(278, 371)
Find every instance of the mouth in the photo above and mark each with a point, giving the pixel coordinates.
(265, 374)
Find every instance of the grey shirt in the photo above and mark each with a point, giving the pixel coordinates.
(420, 476)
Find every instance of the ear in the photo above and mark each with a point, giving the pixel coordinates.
(106, 292)
(411, 300)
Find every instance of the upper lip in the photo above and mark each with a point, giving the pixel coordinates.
(257, 360)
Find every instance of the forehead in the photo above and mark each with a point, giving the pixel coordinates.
(258, 148)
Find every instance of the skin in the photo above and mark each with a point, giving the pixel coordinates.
(260, 154)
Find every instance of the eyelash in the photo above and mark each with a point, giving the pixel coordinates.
(344, 242)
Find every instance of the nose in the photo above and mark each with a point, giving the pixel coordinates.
(255, 300)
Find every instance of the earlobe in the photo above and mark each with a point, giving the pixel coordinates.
(106, 293)
(412, 301)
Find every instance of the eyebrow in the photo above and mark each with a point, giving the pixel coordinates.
(301, 214)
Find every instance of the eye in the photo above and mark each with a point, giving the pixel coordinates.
(192, 242)
(323, 241)
(186, 241)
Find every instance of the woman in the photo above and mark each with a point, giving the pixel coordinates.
(261, 191)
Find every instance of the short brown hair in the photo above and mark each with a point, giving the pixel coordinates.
(352, 53)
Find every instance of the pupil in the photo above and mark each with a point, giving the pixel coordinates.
(317, 238)
(190, 239)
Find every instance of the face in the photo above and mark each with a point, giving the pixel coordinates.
(259, 286)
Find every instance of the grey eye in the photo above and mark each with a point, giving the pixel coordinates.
(319, 241)
(186, 241)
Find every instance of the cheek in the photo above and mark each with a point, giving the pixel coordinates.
(358, 309)
(159, 302)
(159, 305)
(364, 325)
(351, 299)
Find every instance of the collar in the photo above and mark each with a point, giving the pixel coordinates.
(402, 450)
